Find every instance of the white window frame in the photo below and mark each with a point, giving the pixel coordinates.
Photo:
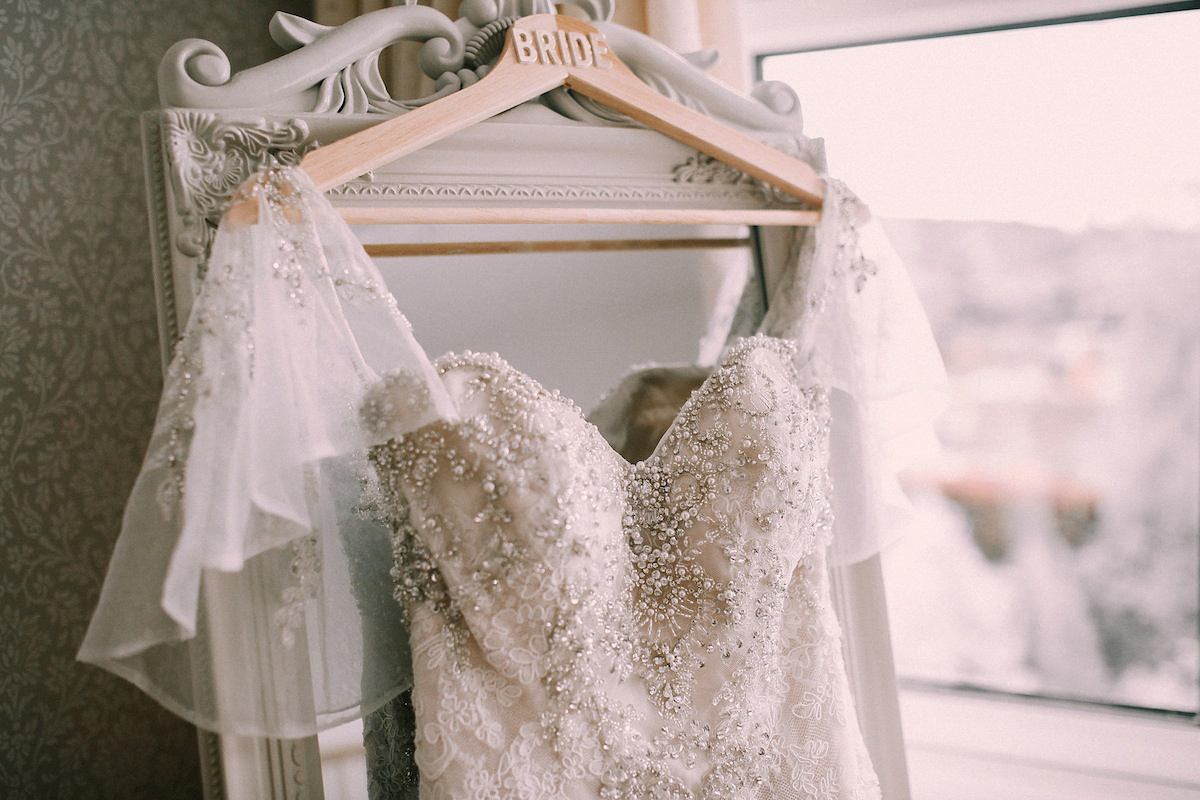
(961, 743)
(772, 27)
(992, 746)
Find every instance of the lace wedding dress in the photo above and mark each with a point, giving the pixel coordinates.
(585, 627)
(645, 615)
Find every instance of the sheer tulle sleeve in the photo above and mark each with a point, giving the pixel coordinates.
(848, 302)
(245, 592)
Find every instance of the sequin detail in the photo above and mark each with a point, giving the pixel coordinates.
(850, 255)
(215, 362)
(306, 571)
(584, 627)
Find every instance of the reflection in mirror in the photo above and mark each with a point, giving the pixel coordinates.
(577, 322)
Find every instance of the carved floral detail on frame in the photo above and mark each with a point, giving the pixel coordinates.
(704, 169)
(209, 159)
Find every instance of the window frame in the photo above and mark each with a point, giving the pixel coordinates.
(837, 26)
(987, 745)
(970, 742)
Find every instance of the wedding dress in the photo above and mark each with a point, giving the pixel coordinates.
(640, 616)
(585, 627)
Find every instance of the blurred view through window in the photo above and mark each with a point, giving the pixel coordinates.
(1043, 187)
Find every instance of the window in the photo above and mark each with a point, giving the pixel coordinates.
(1043, 186)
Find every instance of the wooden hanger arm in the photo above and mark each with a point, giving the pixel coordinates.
(619, 89)
(346, 159)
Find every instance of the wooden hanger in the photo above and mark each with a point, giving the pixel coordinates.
(543, 52)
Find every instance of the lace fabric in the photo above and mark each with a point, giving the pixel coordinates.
(583, 626)
(251, 594)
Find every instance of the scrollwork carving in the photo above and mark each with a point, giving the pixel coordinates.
(336, 69)
(357, 87)
(328, 70)
(773, 106)
(209, 159)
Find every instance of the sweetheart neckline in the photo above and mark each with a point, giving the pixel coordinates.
(739, 346)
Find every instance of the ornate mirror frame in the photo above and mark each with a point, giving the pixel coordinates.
(214, 130)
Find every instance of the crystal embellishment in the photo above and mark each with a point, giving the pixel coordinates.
(583, 626)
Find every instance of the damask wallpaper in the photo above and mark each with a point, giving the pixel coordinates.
(79, 375)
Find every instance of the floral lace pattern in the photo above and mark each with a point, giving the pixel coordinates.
(585, 627)
(388, 742)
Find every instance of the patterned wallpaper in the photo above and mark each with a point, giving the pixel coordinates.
(79, 375)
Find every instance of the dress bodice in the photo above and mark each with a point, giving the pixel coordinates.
(583, 626)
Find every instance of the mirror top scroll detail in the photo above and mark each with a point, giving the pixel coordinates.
(335, 70)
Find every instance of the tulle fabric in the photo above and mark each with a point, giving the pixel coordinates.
(840, 291)
(246, 593)
(844, 297)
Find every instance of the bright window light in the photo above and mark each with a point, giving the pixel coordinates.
(1043, 186)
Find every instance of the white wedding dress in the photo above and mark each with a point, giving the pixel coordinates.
(584, 627)
(580, 625)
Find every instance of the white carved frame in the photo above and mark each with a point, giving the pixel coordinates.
(215, 130)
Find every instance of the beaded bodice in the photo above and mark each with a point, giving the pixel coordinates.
(584, 627)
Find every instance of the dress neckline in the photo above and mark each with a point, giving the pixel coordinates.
(740, 348)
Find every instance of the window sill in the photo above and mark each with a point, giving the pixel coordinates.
(984, 747)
